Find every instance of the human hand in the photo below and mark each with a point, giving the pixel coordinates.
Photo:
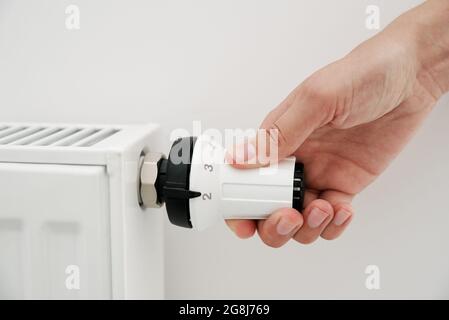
(349, 120)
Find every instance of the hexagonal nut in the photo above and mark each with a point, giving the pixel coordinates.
(148, 177)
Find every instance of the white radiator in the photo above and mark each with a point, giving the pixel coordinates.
(70, 222)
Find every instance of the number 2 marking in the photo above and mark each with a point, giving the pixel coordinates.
(207, 196)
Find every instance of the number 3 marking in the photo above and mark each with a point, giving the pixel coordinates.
(209, 167)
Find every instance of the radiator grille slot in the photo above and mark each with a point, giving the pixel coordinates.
(42, 136)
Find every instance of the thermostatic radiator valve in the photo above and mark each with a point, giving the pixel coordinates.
(198, 187)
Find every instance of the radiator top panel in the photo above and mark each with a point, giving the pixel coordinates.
(57, 136)
(86, 144)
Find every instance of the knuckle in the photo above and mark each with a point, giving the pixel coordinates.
(334, 100)
(274, 142)
(314, 90)
(341, 114)
(277, 135)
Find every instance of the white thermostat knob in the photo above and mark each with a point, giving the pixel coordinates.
(199, 188)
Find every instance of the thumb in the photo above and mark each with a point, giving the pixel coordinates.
(285, 128)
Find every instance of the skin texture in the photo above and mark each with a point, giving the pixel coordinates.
(349, 120)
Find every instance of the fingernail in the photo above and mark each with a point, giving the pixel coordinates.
(316, 218)
(285, 226)
(341, 217)
(244, 153)
(232, 227)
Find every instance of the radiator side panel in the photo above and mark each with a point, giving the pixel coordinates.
(54, 232)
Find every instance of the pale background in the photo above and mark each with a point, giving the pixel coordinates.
(227, 63)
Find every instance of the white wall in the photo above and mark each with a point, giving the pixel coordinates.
(227, 63)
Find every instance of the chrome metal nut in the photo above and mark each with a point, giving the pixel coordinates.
(148, 177)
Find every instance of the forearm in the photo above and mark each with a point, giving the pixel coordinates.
(431, 27)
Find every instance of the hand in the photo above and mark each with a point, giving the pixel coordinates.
(349, 120)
